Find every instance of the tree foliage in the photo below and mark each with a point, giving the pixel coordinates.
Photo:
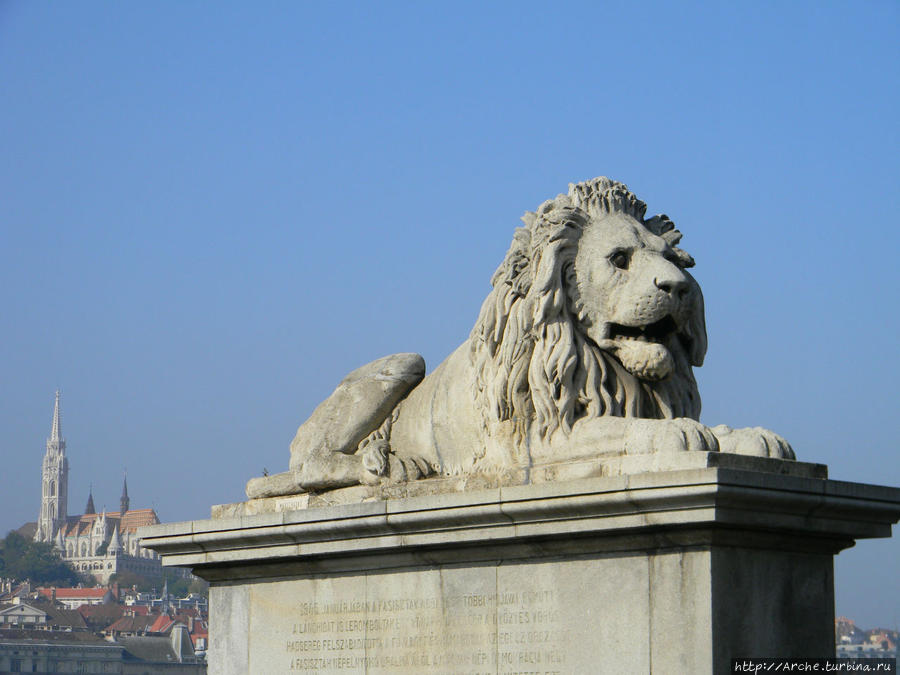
(131, 580)
(38, 562)
(178, 586)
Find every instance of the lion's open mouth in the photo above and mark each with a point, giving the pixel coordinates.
(644, 350)
(658, 331)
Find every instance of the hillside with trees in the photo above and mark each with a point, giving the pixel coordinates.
(21, 558)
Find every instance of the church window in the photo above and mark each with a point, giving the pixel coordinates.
(52, 488)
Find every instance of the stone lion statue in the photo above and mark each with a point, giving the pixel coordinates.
(583, 349)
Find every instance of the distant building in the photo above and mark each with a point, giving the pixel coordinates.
(14, 591)
(29, 651)
(73, 598)
(41, 614)
(852, 642)
(163, 602)
(100, 544)
(21, 615)
(48, 652)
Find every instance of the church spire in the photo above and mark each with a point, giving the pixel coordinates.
(54, 482)
(90, 504)
(115, 543)
(56, 440)
(124, 502)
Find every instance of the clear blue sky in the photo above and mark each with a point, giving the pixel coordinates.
(210, 212)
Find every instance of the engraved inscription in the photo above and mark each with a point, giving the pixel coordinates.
(512, 633)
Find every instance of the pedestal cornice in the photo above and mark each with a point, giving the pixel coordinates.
(691, 507)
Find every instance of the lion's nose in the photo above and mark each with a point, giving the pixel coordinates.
(671, 285)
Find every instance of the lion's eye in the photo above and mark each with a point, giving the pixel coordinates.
(620, 259)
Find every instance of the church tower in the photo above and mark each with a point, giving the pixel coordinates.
(54, 482)
(89, 508)
(124, 502)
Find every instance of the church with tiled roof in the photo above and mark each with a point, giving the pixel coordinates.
(99, 544)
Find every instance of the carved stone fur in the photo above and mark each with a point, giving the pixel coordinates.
(584, 348)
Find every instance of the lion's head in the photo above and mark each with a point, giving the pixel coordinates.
(592, 313)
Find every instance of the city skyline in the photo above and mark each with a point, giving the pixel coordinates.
(209, 218)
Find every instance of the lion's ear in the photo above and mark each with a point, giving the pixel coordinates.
(695, 327)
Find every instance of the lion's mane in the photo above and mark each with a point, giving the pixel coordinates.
(533, 362)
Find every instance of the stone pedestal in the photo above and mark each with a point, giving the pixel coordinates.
(674, 571)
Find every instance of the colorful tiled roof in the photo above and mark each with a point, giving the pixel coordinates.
(161, 624)
(101, 616)
(133, 519)
(200, 631)
(74, 593)
(136, 518)
(131, 624)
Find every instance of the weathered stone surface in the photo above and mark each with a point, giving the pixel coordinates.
(583, 349)
(485, 619)
(229, 648)
(548, 473)
(666, 572)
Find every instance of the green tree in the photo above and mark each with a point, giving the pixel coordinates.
(138, 581)
(199, 587)
(178, 588)
(36, 561)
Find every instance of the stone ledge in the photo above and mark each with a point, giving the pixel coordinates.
(687, 507)
(607, 467)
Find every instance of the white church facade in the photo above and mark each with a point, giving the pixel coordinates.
(99, 544)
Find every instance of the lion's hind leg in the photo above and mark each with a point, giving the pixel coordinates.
(381, 462)
(324, 452)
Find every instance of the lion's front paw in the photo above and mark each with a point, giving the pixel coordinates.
(686, 434)
(676, 435)
(375, 460)
(754, 441)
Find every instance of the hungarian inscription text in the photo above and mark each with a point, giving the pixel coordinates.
(510, 633)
